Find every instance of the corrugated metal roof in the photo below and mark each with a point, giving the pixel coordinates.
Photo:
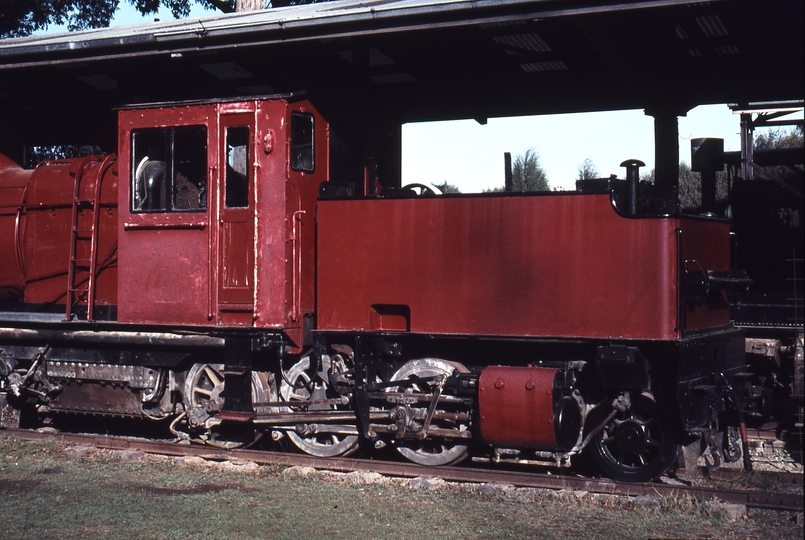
(315, 21)
(307, 16)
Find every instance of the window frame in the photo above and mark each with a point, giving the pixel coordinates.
(193, 156)
(237, 195)
(308, 146)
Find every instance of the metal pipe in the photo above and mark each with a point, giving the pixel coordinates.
(633, 185)
(315, 416)
(160, 339)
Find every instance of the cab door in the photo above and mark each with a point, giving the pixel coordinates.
(236, 272)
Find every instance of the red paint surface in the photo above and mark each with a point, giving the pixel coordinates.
(165, 259)
(13, 181)
(707, 243)
(516, 407)
(558, 265)
(542, 266)
(228, 267)
(40, 244)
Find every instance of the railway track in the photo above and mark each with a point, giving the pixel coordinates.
(756, 498)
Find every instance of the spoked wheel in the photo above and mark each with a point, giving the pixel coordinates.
(431, 452)
(204, 388)
(298, 386)
(634, 446)
(423, 188)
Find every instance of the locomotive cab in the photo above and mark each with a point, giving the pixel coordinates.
(218, 213)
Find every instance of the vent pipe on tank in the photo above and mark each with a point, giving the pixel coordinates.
(632, 184)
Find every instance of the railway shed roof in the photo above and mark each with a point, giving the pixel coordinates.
(418, 59)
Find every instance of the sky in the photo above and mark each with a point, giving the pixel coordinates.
(470, 155)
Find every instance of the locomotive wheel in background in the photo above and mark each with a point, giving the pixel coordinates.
(634, 446)
(297, 386)
(203, 393)
(428, 452)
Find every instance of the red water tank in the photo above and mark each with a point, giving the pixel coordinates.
(13, 181)
(37, 209)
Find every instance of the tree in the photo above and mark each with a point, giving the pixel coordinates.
(690, 197)
(690, 188)
(779, 138)
(445, 187)
(22, 17)
(528, 174)
(34, 155)
(586, 171)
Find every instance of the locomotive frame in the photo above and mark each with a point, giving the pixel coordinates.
(244, 292)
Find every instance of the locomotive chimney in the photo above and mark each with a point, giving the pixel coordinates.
(706, 158)
(632, 184)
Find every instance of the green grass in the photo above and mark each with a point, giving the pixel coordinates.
(46, 494)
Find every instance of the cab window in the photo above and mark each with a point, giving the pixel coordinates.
(237, 167)
(169, 169)
(302, 142)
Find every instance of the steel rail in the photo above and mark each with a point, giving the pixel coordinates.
(750, 498)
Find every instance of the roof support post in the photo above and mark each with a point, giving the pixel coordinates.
(666, 147)
(747, 146)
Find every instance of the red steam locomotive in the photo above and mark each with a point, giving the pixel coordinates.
(215, 276)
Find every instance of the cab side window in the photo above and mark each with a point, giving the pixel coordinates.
(237, 167)
(169, 169)
(302, 137)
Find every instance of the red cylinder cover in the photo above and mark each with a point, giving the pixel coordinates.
(516, 407)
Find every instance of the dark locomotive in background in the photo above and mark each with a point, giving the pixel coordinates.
(225, 275)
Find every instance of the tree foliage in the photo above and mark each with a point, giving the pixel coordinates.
(779, 138)
(690, 188)
(23, 17)
(37, 154)
(586, 171)
(528, 174)
(690, 194)
(446, 187)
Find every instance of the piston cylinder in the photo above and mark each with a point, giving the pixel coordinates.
(527, 407)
